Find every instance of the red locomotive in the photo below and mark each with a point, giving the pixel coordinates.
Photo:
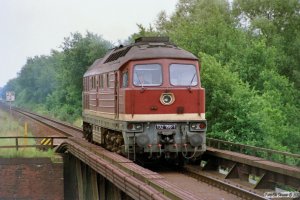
(145, 101)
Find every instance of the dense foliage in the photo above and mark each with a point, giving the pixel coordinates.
(249, 52)
(53, 84)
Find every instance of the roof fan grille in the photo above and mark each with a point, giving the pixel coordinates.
(117, 55)
(152, 39)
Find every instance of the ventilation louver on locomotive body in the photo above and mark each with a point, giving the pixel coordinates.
(117, 55)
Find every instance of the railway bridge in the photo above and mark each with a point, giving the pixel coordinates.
(92, 172)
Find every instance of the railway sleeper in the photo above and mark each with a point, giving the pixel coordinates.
(253, 178)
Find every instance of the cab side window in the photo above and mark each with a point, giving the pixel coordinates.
(101, 81)
(107, 81)
(125, 79)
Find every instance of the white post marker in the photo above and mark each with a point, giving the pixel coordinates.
(10, 96)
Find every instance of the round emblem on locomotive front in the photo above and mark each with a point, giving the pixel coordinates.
(167, 98)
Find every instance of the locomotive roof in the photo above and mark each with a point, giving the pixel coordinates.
(143, 48)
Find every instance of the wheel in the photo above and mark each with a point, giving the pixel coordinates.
(87, 132)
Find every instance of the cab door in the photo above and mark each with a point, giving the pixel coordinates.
(116, 94)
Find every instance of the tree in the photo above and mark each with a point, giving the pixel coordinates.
(203, 26)
(243, 67)
(279, 22)
(54, 83)
(78, 54)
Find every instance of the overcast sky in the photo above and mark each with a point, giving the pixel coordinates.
(34, 27)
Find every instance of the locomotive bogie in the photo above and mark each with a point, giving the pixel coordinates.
(167, 139)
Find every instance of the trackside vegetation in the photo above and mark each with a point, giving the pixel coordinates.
(11, 128)
(250, 66)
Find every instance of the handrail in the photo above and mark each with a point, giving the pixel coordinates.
(17, 144)
(271, 155)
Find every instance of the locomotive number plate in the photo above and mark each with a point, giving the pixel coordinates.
(165, 126)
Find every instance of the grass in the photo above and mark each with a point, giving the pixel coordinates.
(10, 127)
(78, 122)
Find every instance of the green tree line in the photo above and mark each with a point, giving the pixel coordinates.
(52, 84)
(250, 66)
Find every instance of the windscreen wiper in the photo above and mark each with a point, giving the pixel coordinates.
(140, 81)
(189, 87)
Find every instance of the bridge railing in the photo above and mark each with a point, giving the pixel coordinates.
(21, 142)
(269, 154)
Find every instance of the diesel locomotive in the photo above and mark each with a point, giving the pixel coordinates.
(145, 101)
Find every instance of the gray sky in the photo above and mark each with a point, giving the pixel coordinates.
(34, 27)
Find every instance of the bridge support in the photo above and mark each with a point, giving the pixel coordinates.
(82, 182)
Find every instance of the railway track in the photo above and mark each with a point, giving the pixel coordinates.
(65, 128)
(181, 178)
(240, 191)
(203, 183)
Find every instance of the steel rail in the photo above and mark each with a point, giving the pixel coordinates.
(127, 183)
(55, 124)
(236, 190)
(98, 158)
(160, 185)
(48, 118)
(145, 185)
(211, 142)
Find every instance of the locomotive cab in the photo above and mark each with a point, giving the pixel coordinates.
(165, 112)
(145, 101)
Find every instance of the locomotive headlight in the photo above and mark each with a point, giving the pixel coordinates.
(195, 140)
(135, 127)
(167, 98)
(130, 126)
(198, 126)
(138, 126)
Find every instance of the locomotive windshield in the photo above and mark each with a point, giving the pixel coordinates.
(183, 75)
(147, 75)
